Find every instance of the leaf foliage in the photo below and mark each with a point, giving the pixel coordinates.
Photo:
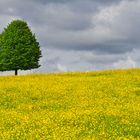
(19, 48)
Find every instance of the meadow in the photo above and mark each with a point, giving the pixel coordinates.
(101, 105)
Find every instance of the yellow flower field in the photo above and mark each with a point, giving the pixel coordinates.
(71, 106)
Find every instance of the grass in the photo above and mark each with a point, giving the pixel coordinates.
(93, 105)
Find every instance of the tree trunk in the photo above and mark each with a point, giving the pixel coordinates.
(16, 72)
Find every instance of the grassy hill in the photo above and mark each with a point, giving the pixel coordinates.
(93, 105)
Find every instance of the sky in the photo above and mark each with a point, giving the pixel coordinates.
(80, 35)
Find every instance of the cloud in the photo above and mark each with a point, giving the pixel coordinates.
(61, 68)
(128, 63)
(111, 29)
(80, 34)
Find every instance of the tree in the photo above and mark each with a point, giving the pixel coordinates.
(19, 49)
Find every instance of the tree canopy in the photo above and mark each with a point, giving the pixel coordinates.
(19, 49)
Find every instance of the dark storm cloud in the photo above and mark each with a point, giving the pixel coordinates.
(110, 29)
(70, 1)
(75, 27)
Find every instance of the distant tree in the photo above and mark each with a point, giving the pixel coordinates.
(19, 49)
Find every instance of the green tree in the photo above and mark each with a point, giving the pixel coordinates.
(19, 49)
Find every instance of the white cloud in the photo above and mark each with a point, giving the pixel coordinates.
(61, 68)
(127, 63)
(120, 22)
